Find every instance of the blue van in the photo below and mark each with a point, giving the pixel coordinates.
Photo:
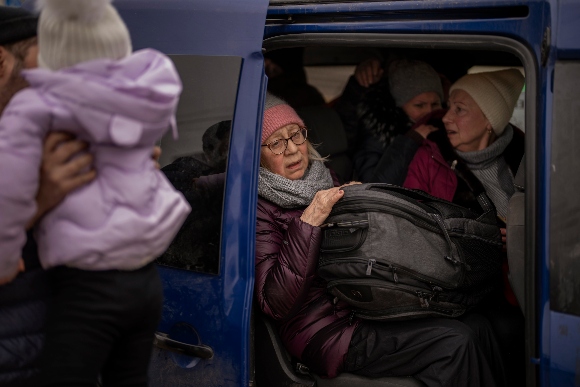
(209, 334)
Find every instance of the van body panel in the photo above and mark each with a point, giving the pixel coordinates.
(538, 32)
(199, 308)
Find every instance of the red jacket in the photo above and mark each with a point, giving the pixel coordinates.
(430, 172)
(312, 327)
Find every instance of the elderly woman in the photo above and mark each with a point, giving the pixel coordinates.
(380, 108)
(485, 155)
(296, 194)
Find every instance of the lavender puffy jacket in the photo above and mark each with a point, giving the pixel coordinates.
(130, 213)
(312, 327)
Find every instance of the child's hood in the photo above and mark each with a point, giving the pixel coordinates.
(144, 86)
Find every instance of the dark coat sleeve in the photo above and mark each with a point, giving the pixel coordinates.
(286, 262)
(393, 164)
(346, 106)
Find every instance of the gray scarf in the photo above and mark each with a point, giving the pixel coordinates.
(294, 193)
(490, 167)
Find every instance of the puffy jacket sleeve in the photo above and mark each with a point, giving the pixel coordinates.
(418, 172)
(22, 131)
(286, 262)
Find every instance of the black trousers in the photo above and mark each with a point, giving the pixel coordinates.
(100, 323)
(436, 351)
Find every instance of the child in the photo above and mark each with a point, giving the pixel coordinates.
(100, 241)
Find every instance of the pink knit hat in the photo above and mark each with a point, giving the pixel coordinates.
(277, 114)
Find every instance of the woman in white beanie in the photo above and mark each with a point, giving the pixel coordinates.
(380, 110)
(101, 241)
(481, 151)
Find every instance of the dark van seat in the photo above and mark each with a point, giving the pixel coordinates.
(274, 366)
(326, 133)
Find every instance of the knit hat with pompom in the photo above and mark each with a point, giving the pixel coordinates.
(75, 31)
(495, 92)
(277, 114)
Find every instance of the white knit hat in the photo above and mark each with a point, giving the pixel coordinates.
(495, 92)
(75, 31)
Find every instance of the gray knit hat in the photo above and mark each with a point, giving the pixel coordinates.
(495, 92)
(75, 31)
(409, 78)
(16, 24)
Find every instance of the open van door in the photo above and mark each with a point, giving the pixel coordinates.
(560, 293)
(204, 334)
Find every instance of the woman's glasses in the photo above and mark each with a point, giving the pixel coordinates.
(279, 146)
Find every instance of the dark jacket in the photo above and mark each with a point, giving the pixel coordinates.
(374, 124)
(23, 304)
(312, 327)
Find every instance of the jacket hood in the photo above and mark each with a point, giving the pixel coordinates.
(144, 86)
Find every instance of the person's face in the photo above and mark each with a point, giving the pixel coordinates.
(421, 105)
(293, 162)
(467, 128)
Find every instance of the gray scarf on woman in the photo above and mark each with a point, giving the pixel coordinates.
(491, 169)
(294, 193)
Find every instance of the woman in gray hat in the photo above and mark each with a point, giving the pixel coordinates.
(381, 112)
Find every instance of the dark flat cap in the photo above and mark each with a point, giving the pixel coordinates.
(16, 24)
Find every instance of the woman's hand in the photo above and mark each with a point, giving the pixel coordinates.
(61, 172)
(368, 72)
(317, 212)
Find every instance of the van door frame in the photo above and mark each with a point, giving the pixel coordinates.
(531, 68)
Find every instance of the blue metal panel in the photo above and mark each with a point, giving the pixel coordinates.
(567, 29)
(202, 27)
(218, 307)
(526, 29)
(565, 344)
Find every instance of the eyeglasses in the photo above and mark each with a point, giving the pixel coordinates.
(279, 146)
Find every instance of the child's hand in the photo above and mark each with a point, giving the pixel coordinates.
(10, 278)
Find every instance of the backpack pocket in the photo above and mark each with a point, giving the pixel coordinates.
(344, 235)
(382, 300)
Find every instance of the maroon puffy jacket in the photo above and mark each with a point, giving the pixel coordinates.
(312, 327)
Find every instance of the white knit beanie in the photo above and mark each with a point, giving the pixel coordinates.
(495, 92)
(75, 31)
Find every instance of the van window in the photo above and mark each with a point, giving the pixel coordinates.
(565, 185)
(196, 162)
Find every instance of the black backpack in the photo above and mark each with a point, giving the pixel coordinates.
(395, 253)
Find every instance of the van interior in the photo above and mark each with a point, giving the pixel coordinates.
(328, 61)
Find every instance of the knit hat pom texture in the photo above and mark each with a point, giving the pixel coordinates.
(75, 31)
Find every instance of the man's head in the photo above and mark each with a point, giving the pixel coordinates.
(18, 50)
